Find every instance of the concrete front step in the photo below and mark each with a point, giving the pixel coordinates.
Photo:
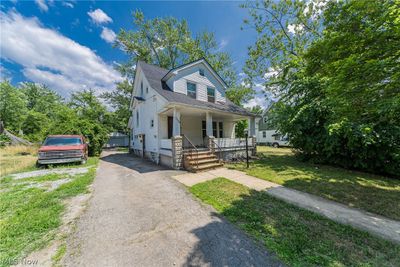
(204, 167)
(194, 162)
(200, 157)
(199, 152)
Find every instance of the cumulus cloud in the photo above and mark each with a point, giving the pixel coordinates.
(99, 17)
(47, 56)
(108, 35)
(42, 5)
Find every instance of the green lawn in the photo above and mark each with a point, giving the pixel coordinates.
(298, 237)
(374, 193)
(29, 216)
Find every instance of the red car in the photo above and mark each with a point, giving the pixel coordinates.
(63, 149)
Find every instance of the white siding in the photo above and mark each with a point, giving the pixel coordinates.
(148, 110)
(178, 83)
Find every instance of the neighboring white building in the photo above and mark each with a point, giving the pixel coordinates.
(181, 117)
(267, 135)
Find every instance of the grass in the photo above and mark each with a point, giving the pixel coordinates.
(17, 158)
(373, 193)
(30, 216)
(298, 237)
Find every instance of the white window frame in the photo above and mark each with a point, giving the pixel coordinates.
(187, 89)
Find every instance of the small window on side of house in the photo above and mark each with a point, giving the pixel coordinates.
(211, 94)
(137, 118)
(141, 88)
(264, 134)
(147, 89)
(191, 90)
(152, 123)
(265, 119)
(201, 72)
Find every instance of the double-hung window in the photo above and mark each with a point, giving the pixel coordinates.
(191, 90)
(211, 94)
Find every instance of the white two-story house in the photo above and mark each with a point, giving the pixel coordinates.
(181, 117)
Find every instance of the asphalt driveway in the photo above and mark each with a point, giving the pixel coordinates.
(140, 216)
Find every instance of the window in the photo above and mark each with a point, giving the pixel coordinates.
(147, 89)
(191, 90)
(264, 134)
(201, 72)
(211, 94)
(141, 88)
(137, 118)
(152, 123)
(214, 125)
(221, 129)
(277, 137)
(265, 119)
(203, 128)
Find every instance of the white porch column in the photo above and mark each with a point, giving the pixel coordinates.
(176, 125)
(209, 127)
(252, 126)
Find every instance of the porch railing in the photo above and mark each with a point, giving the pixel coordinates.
(233, 142)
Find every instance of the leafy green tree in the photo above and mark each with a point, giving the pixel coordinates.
(119, 99)
(40, 98)
(12, 106)
(168, 43)
(342, 105)
(284, 31)
(88, 106)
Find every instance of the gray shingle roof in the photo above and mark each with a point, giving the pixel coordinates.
(154, 74)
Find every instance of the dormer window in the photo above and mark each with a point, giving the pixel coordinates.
(201, 72)
(191, 90)
(211, 94)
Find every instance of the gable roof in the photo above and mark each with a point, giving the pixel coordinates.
(187, 65)
(154, 76)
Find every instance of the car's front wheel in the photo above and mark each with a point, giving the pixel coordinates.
(276, 145)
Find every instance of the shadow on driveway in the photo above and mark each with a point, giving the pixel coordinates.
(132, 162)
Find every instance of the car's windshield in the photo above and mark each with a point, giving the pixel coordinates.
(62, 141)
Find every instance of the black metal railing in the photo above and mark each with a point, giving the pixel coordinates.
(219, 150)
(192, 148)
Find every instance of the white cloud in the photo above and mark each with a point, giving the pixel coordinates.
(68, 4)
(49, 57)
(42, 5)
(271, 73)
(108, 35)
(295, 28)
(99, 17)
(222, 44)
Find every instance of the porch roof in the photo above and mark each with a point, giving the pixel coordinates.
(154, 75)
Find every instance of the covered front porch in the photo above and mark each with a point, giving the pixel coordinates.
(196, 126)
(202, 129)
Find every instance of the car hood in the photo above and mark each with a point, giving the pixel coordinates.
(60, 148)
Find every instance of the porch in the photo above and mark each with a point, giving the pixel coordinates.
(185, 130)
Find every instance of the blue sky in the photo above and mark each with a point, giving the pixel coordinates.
(67, 44)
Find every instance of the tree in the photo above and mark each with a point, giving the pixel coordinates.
(12, 106)
(119, 99)
(40, 98)
(168, 43)
(88, 106)
(342, 104)
(284, 31)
